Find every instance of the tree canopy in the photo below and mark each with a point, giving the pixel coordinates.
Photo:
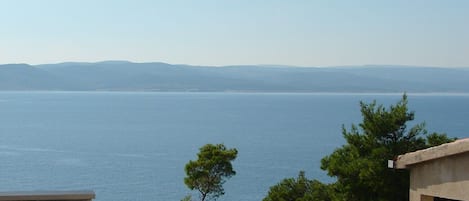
(299, 189)
(209, 172)
(360, 164)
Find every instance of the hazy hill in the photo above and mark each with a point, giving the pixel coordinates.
(26, 77)
(128, 76)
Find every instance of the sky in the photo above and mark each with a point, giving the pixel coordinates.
(232, 32)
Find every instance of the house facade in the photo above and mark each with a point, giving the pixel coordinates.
(439, 173)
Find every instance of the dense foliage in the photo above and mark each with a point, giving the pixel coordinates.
(211, 169)
(360, 165)
(300, 189)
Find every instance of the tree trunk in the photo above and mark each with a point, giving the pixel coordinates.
(204, 195)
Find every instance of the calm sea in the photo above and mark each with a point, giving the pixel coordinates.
(133, 146)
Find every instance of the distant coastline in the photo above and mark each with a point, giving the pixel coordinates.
(432, 94)
(163, 77)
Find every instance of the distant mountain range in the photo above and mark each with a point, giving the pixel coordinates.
(128, 76)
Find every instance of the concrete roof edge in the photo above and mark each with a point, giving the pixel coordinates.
(432, 153)
(48, 195)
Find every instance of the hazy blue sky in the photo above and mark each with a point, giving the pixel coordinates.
(217, 32)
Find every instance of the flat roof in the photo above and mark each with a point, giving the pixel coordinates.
(47, 195)
(432, 153)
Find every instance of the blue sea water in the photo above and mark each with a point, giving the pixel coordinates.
(133, 146)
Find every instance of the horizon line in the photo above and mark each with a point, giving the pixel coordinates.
(232, 65)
